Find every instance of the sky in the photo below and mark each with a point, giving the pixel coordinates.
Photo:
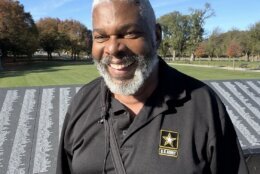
(229, 14)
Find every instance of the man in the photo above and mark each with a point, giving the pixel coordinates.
(143, 116)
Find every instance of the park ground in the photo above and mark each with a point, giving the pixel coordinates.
(66, 72)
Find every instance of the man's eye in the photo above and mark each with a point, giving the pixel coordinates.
(132, 35)
(100, 38)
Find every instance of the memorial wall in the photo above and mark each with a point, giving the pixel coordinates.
(31, 121)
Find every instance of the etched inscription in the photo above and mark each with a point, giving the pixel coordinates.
(43, 145)
(31, 146)
(244, 100)
(5, 114)
(254, 86)
(253, 96)
(64, 103)
(242, 129)
(16, 164)
(241, 110)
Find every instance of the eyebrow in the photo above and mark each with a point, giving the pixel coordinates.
(121, 27)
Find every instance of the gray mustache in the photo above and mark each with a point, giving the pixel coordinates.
(125, 60)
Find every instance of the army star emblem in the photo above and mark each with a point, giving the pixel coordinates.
(169, 140)
(169, 143)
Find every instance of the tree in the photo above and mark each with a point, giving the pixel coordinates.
(254, 35)
(175, 33)
(89, 41)
(182, 32)
(200, 50)
(214, 43)
(245, 44)
(68, 35)
(49, 37)
(233, 50)
(197, 21)
(18, 33)
(78, 36)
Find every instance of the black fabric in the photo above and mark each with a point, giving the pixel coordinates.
(114, 149)
(121, 120)
(181, 108)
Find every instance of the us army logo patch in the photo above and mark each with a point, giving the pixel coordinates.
(169, 143)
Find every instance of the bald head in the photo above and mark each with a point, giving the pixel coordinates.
(145, 9)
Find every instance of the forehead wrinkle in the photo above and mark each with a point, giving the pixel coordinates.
(121, 27)
(104, 19)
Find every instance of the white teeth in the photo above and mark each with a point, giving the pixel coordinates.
(120, 66)
(117, 66)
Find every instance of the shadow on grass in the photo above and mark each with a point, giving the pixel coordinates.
(23, 68)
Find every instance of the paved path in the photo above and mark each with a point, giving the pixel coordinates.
(31, 120)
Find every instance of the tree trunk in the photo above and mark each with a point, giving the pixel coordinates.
(173, 55)
(210, 58)
(247, 57)
(233, 63)
(49, 56)
(192, 57)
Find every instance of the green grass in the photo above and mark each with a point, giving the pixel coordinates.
(205, 73)
(48, 73)
(222, 63)
(67, 73)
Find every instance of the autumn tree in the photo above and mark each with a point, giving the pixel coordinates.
(18, 33)
(49, 36)
(78, 36)
(200, 50)
(233, 51)
(197, 21)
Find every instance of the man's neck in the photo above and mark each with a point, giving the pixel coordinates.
(136, 102)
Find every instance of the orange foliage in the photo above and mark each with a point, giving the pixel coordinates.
(234, 49)
(200, 51)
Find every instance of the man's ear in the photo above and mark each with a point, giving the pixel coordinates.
(158, 33)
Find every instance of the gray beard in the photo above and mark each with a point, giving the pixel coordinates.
(130, 86)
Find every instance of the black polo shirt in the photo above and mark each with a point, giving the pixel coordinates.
(183, 128)
(121, 120)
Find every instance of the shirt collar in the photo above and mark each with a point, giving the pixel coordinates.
(170, 85)
(116, 107)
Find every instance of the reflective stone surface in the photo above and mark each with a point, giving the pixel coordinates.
(31, 121)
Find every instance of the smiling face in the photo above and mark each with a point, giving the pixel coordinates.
(124, 47)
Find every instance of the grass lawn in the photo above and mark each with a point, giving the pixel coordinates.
(67, 73)
(206, 73)
(222, 63)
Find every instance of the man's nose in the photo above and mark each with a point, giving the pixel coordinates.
(114, 46)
